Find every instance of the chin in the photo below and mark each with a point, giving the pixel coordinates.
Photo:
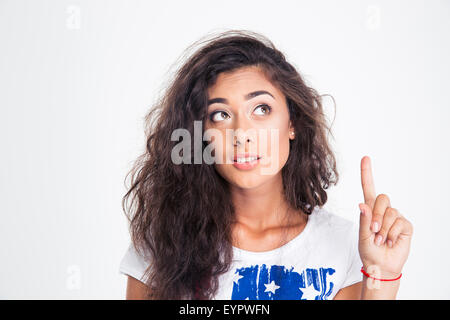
(244, 179)
(245, 184)
(247, 180)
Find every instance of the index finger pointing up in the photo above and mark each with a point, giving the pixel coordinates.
(367, 182)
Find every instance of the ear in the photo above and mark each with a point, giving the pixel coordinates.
(291, 131)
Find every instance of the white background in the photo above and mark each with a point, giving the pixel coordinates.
(77, 78)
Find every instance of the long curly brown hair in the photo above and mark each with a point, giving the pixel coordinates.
(180, 216)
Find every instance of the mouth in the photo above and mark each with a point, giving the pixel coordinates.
(245, 158)
(246, 161)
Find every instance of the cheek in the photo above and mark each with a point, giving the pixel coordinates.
(275, 148)
(217, 144)
(284, 148)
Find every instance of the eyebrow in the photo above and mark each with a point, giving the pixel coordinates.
(248, 96)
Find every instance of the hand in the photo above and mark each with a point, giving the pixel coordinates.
(384, 234)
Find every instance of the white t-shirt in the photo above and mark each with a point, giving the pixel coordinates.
(314, 265)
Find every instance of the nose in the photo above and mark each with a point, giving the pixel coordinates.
(237, 140)
(244, 134)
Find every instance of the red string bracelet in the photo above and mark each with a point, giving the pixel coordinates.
(369, 276)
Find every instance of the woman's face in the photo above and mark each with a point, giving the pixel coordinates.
(250, 118)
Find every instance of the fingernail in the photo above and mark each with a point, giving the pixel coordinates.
(378, 240)
(375, 227)
(389, 243)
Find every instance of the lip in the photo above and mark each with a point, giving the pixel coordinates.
(246, 165)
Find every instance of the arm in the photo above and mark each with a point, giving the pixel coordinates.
(380, 290)
(352, 292)
(136, 290)
(384, 240)
(369, 289)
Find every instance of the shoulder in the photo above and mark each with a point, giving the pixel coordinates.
(324, 218)
(332, 227)
(135, 262)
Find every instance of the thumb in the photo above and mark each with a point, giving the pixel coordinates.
(365, 221)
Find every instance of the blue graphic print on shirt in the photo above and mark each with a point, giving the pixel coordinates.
(278, 283)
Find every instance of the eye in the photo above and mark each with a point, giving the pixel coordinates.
(265, 107)
(218, 116)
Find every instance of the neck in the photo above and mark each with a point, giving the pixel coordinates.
(264, 207)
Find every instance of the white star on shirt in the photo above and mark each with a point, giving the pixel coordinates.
(237, 277)
(309, 293)
(271, 287)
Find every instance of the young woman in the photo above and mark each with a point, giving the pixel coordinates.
(251, 223)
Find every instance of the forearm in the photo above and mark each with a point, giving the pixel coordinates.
(379, 290)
